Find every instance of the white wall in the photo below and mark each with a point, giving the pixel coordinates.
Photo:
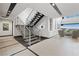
(24, 15)
(44, 8)
(45, 21)
(16, 31)
(24, 18)
(21, 19)
(54, 30)
(45, 31)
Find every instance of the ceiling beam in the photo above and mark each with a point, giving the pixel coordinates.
(56, 8)
(11, 7)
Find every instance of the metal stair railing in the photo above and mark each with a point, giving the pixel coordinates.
(23, 32)
(19, 28)
(30, 32)
(29, 40)
(39, 32)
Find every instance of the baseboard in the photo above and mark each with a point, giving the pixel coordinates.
(54, 36)
(6, 35)
(43, 37)
(17, 36)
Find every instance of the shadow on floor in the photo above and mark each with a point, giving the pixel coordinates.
(21, 40)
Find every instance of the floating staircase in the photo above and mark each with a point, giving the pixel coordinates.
(38, 16)
(31, 38)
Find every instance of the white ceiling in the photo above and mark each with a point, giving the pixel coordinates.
(3, 8)
(68, 8)
(45, 8)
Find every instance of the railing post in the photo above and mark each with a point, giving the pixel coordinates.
(29, 37)
(24, 32)
(29, 40)
(38, 33)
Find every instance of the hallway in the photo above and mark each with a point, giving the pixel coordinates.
(39, 29)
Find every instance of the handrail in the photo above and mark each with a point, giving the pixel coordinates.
(29, 35)
(29, 14)
(29, 29)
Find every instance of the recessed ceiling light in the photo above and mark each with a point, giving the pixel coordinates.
(53, 4)
(56, 8)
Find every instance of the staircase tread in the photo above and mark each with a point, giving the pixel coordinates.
(33, 39)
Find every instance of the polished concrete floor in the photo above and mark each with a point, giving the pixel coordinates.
(55, 46)
(9, 46)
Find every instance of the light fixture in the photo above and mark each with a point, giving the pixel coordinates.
(11, 7)
(53, 4)
(56, 8)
